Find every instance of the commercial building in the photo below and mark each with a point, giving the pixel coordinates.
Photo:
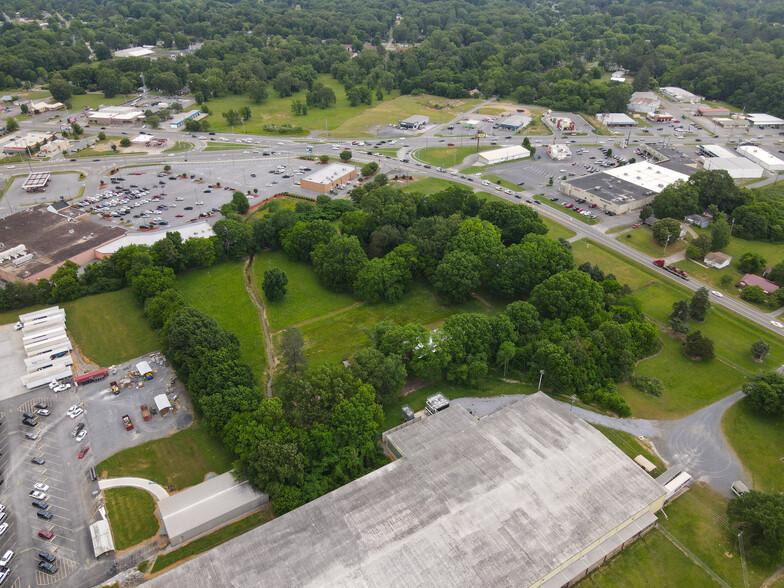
(660, 118)
(207, 506)
(417, 121)
(503, 154)
(28, 141)
(115, 115)
(712, 112)
(514, 122)
(762, 157)
(36, 182)
(616, 119)
(39, 107)
(732, 122)
(679, 95)
(558, 151)
(716, 157)
(623, 189)
(762, 120)
(562, 123)
(41, 241)
(134, 52)
(200, 229)
(717, 260)
(753, 280)
(644, 103)
(329, 177)
(179, 120)
(530, 495)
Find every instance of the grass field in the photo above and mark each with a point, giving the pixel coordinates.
(365, 119)
(131, 514)
(179, 147)
(78, 102)
(758, 439)
(488, 387)
(642, 240)
(497, 180)
(391, 151)
(180, 460)
(214, 539)
(632, 447)
(328, 339)
(219, 291)
(306, 297)
(446, 156)
(109, 328)
(557, 230)
(221, 146)
(428, 185)
(276, 110)
(650, 561)
(685, 381)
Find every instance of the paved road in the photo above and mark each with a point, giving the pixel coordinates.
(158, 491)
(694, 442)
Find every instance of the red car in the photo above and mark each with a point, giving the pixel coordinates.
(44, 534)
(178, 215)
(450, 144)
(578, 209)
(570, 205)
(635, 226)
(83, 452)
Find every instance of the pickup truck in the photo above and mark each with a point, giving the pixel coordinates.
(145, 412)
(115, 387)
(127, 422)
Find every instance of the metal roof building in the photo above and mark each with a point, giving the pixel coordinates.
(101, 534)
(514, 122)
(762, 157)
(530, 495)
(719, 158)
(187, 231)
(764, 120)
(35, 181)
(616, 119)
(644, 102)
(414, 122)
(206, 506)
(679, 94)
(503, 154)
(326, 178)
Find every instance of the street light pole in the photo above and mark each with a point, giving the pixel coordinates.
(541, 375)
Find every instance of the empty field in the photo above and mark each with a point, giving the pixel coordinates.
(131, 513)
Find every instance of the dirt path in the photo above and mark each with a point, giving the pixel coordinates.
(324, 316)
(269, 350)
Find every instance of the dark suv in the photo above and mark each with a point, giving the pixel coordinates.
(47, 567)
(46, 556)
(42, 514)
(40, 504)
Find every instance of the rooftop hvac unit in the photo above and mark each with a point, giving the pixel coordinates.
(70, 231)
(92, 234)
(23, 259)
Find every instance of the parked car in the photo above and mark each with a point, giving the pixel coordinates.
(37, 495)
(47, 567)
(40, 505)
(7, 557)
(29, 423)
(45, 515)
(83, 452)
(43, 412)
(41, 487)
(44, 534)
(31, 436)
(3, 528)
(38, 460)
(81, 435)
(46, 556)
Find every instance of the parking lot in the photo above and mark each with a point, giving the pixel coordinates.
(66, 185)
(70, 499)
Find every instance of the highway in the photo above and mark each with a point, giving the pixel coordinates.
(286, 148)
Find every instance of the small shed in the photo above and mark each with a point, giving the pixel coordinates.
(163, 404)
(101, 535)
(144, 369)
(645, 463)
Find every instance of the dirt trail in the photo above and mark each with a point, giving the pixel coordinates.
(269, 350)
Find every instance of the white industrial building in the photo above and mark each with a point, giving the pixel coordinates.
(134, 52)
(514, 122)
(205, 507)
(644, 103)
(115, 115)
(530, 495)
(559, 151)
(679, 95)
(201, 229)
(503, 154)
(719, 158)
(762, 120)
(616, 119)
(416, 121)
(762, 157)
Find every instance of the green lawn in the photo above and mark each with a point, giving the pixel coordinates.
(688, 385)
(94, 100)
(131, 513)
(652, 561)
(642, 240)
(632, 447)
(109, 328)
(221, 146)
(758, 439)
(386, 151)
(497, 180)
(557, 230)
(276, 110)
(489, 386)
(698, 519)
(772, 252)
(180, 460)
(219, 291)
(364, 120)
(214, 539)
(306, 297)
(329, 339)
(446, 156)
(428, 185)
(179, 147)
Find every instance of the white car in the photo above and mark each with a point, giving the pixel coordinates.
(717, 293)
(3, 528)
(777, 324)
(81, 435)
(6, 559)
(37, 495)
(41, 487)
(17, 326)
(74, 412)
(61, 388)
(53, 383)
(43, 411)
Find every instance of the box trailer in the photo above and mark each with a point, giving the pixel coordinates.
(43, 313)
(42, 378)
(35, 348)
(36, 364)
(42, 325)
(51, 350)
(93, 376)
(42, 335)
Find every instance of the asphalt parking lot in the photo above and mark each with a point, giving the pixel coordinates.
(71, 497)
(66, 185)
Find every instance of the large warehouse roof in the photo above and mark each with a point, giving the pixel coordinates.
(505, 500)
(650, 177)
(761, 119)
(503, 154)
(191, 230)
(765, 159)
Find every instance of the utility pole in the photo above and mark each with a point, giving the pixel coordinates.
(665, 245)
(541, 375)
